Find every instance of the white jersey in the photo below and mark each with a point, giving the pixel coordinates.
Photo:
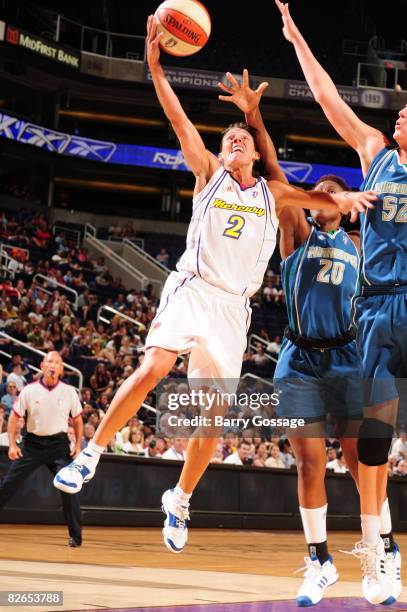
(232, 234)
(47, 409)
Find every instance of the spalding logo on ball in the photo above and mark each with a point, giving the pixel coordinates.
(186, 25)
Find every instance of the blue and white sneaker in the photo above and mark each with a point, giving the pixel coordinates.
(71, 478)
(393, 568)
(175, 529)
(317, 578)
(377, 581)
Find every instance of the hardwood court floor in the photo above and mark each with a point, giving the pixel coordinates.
(119, 567)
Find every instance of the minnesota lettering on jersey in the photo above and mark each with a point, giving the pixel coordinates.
(332, 253)
(219, 203)
(395, 188)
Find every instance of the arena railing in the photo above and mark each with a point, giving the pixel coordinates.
(133, 276)
(137, 241)
(257, 379)
(12, 247)
(253, 338)
(140, 326)
(9, 265)
(131, 243)
(69, 232)
(30, 366)
(54, 285)
(91, 230)
(376, 76)
(100, 42)
(31, 349)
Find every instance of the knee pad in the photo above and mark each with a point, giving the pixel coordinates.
(374, 442)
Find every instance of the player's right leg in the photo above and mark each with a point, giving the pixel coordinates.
(157, 363)
(320, 571)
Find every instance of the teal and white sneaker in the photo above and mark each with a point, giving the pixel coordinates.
(317, 578)
(175, 529)
(393, 568)
(71, 478)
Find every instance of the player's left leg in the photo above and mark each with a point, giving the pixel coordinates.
(381, 557)
(175, 502)
(320, 571)
(214, 365)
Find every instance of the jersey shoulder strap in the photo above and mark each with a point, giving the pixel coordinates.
(211, 186)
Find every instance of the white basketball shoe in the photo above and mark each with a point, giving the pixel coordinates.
(377, 581)
(175, 529)
(317, 578)
(393, 569)
(71, 478)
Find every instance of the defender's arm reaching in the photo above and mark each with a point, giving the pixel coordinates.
(248, 100)
(366, 140)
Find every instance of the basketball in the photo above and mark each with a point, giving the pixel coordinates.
(186, 25)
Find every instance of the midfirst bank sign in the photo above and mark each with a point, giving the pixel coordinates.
(17, 37)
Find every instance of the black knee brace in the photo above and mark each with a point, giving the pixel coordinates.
(374, 442)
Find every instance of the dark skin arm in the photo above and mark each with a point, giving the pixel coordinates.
(248, 100)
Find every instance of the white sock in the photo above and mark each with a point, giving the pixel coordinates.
(370, 528)
(314, 524)
(385, 518)
(95, 450)
(183, 497)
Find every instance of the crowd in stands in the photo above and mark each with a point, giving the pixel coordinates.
(48, 315)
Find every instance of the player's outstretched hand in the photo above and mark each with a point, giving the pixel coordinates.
(290, 30)
(14, 452)
(355, 202)
(152, 42)
(241, 94)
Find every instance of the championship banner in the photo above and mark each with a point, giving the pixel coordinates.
(48, 49)
(368, 98)
(52, 141)
(189, 78)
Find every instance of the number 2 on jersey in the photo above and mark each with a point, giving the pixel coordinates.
(236, 224)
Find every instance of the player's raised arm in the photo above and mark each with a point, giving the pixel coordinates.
(366, 140)
(352, 202)
(248, 100)
(202, 163)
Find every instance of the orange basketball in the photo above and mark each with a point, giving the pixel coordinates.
(186, 25)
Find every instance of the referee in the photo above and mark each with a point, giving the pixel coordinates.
(46, 405)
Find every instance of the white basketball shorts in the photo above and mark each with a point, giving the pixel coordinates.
(201, 319)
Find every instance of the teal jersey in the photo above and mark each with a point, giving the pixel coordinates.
(384, 227)
(319, 280)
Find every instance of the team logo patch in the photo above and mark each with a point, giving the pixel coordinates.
(321, 238)
(345, 239)
(229, 188)
(255, 193)
(155, 326)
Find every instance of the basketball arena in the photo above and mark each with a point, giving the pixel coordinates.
(203, 313)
